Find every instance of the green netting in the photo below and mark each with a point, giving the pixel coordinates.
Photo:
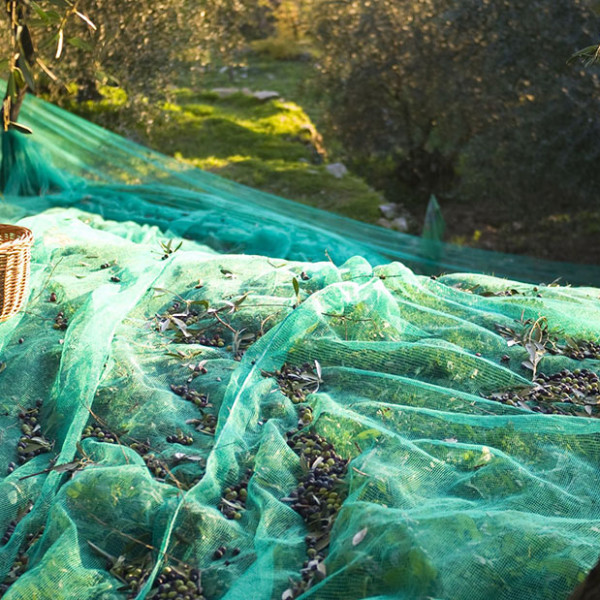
(274, 426)
(229, 217)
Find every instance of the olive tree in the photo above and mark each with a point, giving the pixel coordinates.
(35, 34)
(464, 98)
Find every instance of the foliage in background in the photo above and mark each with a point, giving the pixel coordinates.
(269, 145)
(35, 33)
(469, 98)
(471, 101)
(143, 48)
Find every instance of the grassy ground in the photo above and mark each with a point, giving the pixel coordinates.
(274, 146)
(270, 145)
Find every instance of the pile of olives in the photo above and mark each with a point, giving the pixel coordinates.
(178, 583)
(295, 382)
(97, 431)
(20, 565)
(173, 583)
(207, 424)
(142, 448)
(180, 438)
(214, 341)
(566, 392)
(197, 398)
(60, 321)
(321, 492)
(189, 317)
(234, 498)
(579, 350)
(32, 442)
(18, 568)
(305, 417)
(132, 575)
(221, 551)
(156, 466)
(318, 499)
(10, 529)
(8, 533)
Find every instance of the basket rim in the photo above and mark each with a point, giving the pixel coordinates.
(23, 236)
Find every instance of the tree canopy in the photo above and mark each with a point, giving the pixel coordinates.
(465, 97)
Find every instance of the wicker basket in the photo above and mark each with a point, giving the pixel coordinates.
(15, 254)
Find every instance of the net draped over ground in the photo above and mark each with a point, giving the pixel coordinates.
(160, 405)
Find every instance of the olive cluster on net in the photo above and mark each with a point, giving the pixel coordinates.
(221, 552)
(180, 583)
(215, 340)
(566, 392)
(32, 441)
(10, 529)
(61, 322)
(305, 416)
(208, 422)
(580, 350)
(295, 382)
(318, 499)
(197, 398)
(234, 497)
(180, 438)
(18, 568)
(155, 465)
(96, 430)
(191, 316)
(322, 489)
(21, 562)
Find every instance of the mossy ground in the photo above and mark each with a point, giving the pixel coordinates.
(270, 145)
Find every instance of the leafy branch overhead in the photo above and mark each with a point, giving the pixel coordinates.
(589, 55)
(36, 28)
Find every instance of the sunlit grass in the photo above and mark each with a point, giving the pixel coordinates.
(268, 145)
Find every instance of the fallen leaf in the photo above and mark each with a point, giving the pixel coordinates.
(317, 462)
(322, 569)
(360, 536)
(318, 369)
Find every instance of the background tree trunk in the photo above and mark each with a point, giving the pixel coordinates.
(15, 106)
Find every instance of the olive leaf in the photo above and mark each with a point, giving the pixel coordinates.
(322, 569)
(318, 370)
(359, 537)
(167, 247)
(296, 287)
(20, 127)
(37, 443)
(70, 467)
(588, 55)
(317, 462)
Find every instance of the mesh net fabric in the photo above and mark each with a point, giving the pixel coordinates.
(448, 493)
(121, 180)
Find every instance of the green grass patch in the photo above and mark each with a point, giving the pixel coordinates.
(293, 79)
(270, 145)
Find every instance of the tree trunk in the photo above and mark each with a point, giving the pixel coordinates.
(15, 106)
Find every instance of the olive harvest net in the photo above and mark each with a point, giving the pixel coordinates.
(197, 403)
